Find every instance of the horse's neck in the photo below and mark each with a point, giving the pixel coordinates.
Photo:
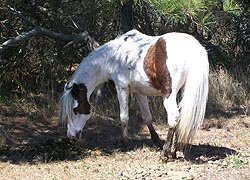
(93, 71)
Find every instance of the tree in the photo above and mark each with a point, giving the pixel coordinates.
(41, 41)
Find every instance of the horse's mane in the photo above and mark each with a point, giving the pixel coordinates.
(66, 103)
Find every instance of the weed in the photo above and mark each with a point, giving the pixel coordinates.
(235, 162)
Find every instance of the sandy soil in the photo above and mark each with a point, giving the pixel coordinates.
(34, 147)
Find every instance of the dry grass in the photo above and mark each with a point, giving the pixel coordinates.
(229, 94)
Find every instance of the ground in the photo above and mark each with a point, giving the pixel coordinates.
(33, 146)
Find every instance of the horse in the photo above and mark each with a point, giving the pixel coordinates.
(144, 66)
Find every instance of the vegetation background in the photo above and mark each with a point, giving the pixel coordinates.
(43, 41)
(34, 69)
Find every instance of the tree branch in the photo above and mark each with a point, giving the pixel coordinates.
(40, 31)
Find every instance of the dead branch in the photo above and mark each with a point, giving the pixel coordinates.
(40, 31)
(82, 37)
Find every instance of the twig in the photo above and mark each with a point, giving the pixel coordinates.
(104, 117)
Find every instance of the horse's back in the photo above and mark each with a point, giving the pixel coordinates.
(183, 46)
(181, 51)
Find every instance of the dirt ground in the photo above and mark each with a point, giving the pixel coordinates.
(35, 147)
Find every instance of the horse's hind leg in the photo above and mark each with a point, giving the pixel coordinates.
(147, 118)
(171, 107)
(170, 104)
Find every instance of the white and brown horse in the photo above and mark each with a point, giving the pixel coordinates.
(145, 66)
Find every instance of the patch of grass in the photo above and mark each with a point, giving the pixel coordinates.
(226, 93)
(32, 105)
(235, 162)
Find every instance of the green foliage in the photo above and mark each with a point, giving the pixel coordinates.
(204, 19)
(40, 66)
(232, 6)
(183, 11)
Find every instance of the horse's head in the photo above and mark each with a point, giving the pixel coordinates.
(75, 109)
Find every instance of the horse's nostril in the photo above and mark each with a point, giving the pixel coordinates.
(78, 135)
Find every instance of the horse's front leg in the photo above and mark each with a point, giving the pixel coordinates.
(147, 118)
(122, 94)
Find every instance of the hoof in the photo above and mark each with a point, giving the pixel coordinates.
(168, 156)
(158, 143)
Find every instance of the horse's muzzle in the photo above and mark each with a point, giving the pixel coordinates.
(76, 137)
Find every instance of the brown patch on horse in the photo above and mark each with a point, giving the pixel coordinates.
(79, 92)
(156, 68)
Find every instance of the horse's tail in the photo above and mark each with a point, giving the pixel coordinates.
(194, 97)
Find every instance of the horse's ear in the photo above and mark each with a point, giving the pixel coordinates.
(67, 86)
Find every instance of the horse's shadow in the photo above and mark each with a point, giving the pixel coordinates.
(24, 142)
(204, 153)
(102, 135)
